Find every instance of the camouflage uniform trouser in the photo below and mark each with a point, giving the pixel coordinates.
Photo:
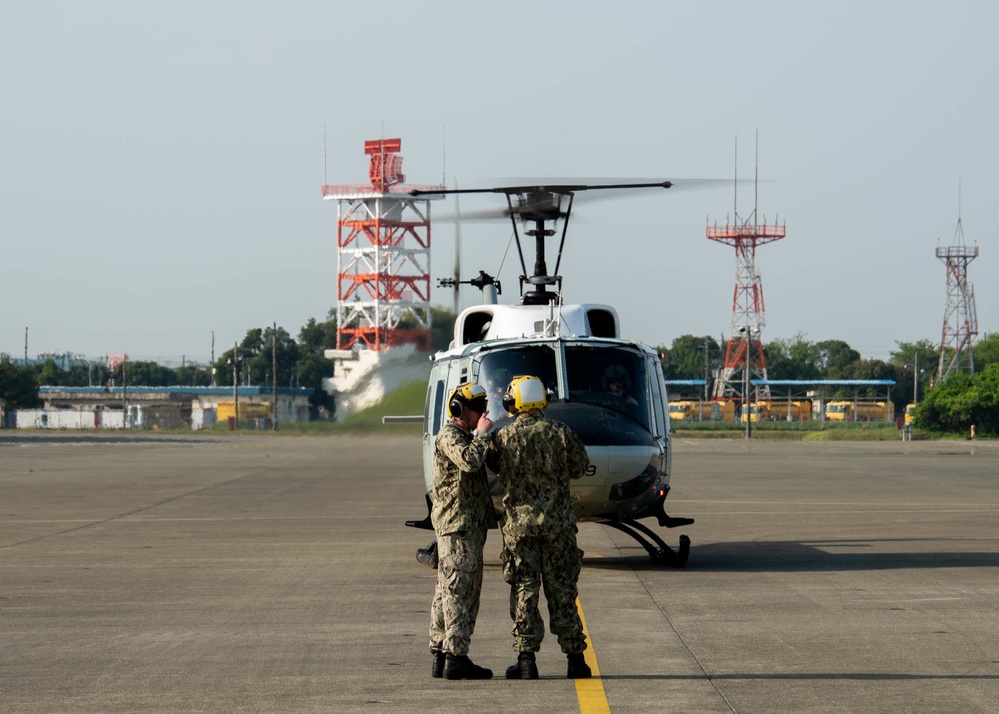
(554, 562)
(456, 597)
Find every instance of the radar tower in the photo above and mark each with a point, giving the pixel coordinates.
(383, 256)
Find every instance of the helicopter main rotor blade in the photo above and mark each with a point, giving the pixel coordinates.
(550, 187)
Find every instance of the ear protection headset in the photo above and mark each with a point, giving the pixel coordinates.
(463, 396)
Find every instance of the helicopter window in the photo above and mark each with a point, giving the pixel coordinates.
(657, 396)
(498, 367)
(435, 415)
(612, 379)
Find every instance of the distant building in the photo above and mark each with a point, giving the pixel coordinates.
(158, 407)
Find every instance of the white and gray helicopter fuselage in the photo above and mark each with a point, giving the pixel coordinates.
(571, 348)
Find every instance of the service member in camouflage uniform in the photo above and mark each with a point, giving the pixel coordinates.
(462, 510)
(535, 457)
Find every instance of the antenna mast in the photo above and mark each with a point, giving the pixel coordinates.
(744, 348)
(960, 326)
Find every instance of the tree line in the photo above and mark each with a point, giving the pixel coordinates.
(300, 362)
(962, 400)
(950, 407)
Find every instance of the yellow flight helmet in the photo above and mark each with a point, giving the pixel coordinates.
(466, 395)
(525, 393)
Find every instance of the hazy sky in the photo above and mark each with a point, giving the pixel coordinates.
(160, 165)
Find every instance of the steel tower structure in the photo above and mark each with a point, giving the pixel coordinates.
(960, 326)
(383, 256)
(744, 359)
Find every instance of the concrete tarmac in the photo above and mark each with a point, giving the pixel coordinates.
(262, 573)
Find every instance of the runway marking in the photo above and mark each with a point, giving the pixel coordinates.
(590, 692)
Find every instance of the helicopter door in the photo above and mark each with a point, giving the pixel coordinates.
(660, 409)
(432, 420)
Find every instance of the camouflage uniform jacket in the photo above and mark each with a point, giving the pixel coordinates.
(535, 457)
(460, 493)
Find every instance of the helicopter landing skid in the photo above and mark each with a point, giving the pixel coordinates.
(657, 549)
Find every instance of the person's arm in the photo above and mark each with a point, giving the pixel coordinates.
(469, 456)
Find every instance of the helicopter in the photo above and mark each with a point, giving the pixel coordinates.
(608, 389)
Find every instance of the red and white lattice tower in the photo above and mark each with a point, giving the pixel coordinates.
(748, 314)
(960, 325)
(383, 256)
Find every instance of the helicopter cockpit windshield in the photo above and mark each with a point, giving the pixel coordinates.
(613, 379)
(501, 366)
(604, 395)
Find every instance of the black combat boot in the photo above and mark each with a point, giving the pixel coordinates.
(437, 668)
(577, 669)
(525, 668)
(428, 555)
(461, 667)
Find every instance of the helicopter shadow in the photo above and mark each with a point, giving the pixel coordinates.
(797, 556)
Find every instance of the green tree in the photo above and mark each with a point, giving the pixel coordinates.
(50, 374)
(835, 358)
(441, 328)
(792, 359)
(962, 401)
(685, 359)
(92, 374)
(18, 388)
(314, 338)
(191, 375)
(986, 351)
(256, 356)
(141, 373)
(275, 346)
(905, 359)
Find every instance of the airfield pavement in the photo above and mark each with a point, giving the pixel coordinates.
(262, 573)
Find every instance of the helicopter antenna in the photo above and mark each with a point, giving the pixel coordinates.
(558, 315)
(505, 253)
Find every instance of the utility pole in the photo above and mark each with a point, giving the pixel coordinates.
(25, 346)
(274, 378)
(749, 416)
(124, 390)
(235, 386)
(705, 374)
(915, 379)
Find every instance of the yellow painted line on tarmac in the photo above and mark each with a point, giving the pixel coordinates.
(590, 692)
(871, 504)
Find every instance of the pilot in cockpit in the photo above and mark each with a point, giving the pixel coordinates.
(616, 385)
